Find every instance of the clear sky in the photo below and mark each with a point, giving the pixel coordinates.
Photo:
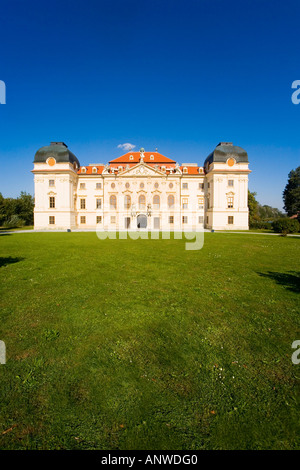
(179, 75)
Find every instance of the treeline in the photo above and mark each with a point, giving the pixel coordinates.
(16, 212)
(262, 216)
(266, 217)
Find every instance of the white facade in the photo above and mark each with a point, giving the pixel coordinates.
(139, 190)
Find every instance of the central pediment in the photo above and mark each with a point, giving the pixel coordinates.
(142, 169)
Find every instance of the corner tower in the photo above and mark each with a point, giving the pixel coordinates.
(55, 182)
(227, 169)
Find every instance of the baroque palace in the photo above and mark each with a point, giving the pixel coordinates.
(141, 190)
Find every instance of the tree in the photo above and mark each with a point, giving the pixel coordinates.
(16, 212)
(291, 193)
(24, 207)
(2, 209)
(266, 212)
(252, 204)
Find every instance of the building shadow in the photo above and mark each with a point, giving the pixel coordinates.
(289, 280)
(9, 260)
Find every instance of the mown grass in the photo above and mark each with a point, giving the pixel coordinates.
(123, 344)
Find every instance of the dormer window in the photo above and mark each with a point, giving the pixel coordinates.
(151, 157)
(185, 170)
(94, 170)
(130, 157)
(201, 170)
(83, 169)
(120, 168)
(163, 168)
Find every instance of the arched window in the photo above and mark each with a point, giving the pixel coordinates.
(142, 202)
(127, 202)
(156, 202)
(171, 201)
(113, 202)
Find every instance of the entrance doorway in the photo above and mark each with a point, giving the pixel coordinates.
(127, 222)
(141, 221)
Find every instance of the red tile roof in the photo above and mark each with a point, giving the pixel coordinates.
(158, 162)
(158, 158)
(89, 170)
(192, 170)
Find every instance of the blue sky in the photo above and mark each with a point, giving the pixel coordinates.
(177, 75)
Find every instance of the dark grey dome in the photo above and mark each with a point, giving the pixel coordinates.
(225, 150)
(57, 150)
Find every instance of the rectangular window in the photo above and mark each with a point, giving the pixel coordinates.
(52, 202)
(185, 203)
(82, 186)
(184, 219)
(171, 219)
(230, 182)
(98, 185)
(230, 219)
(51, 220)
(185, 185)
(51, 183)
(200, 203)
(82, 203)
(113, 219)
(201, 186)
(230, 202)
(200, 219)
(98, 219)
(82, 219)
(98, 203)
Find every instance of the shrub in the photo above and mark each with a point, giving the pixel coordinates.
(286, 225)
(261, 225)
(13, 222)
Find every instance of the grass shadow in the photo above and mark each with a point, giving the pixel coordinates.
(290, 280)
(9, 260)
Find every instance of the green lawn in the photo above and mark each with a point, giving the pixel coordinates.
(123, 344)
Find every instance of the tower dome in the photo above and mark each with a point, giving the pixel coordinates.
(57, 150)
(226, 150)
